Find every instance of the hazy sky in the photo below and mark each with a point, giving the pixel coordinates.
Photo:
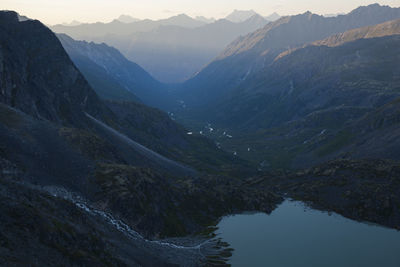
(58, 11)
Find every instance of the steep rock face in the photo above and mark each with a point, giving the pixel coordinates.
(256, 51)
(106, 86)
(127, 75)
(40, 79)
(36, 147)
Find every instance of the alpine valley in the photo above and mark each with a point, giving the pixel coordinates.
(126, 143)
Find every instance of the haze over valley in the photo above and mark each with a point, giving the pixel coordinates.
(172, 49)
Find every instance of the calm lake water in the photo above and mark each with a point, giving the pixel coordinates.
(294, 235)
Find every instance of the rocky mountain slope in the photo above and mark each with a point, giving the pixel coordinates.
(316, 78)
(45, 88)
(111, 74)
(380, 30)
(254, 52)
(314, 116)
(303, 108)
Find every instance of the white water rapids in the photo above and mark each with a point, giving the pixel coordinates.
(116, 223)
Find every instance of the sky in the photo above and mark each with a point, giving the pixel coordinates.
(60, 11)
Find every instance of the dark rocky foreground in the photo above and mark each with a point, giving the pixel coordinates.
(161, 208)
(38, 229)
(50, 226)
(363, 190)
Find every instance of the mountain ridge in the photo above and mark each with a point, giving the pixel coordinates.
(251, 53)
(375, 31)
(130, 76)
(240, 15)
(170, 52)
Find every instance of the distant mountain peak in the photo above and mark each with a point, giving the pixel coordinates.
(183, 15)
(240, 15)
(308, 15)
(273, 17)
(256, 18)
(182, 20)
(369, 8)
(14, 16)
(127, 19)
(204, 19)
(180, 17)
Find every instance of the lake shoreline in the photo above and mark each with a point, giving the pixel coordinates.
(362, 190)
(311, 238)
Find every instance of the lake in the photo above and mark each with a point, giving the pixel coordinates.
(295, 235)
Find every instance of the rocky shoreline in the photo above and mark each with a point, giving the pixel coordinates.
(362, 190)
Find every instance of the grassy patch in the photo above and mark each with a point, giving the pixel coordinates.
(342, 139)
